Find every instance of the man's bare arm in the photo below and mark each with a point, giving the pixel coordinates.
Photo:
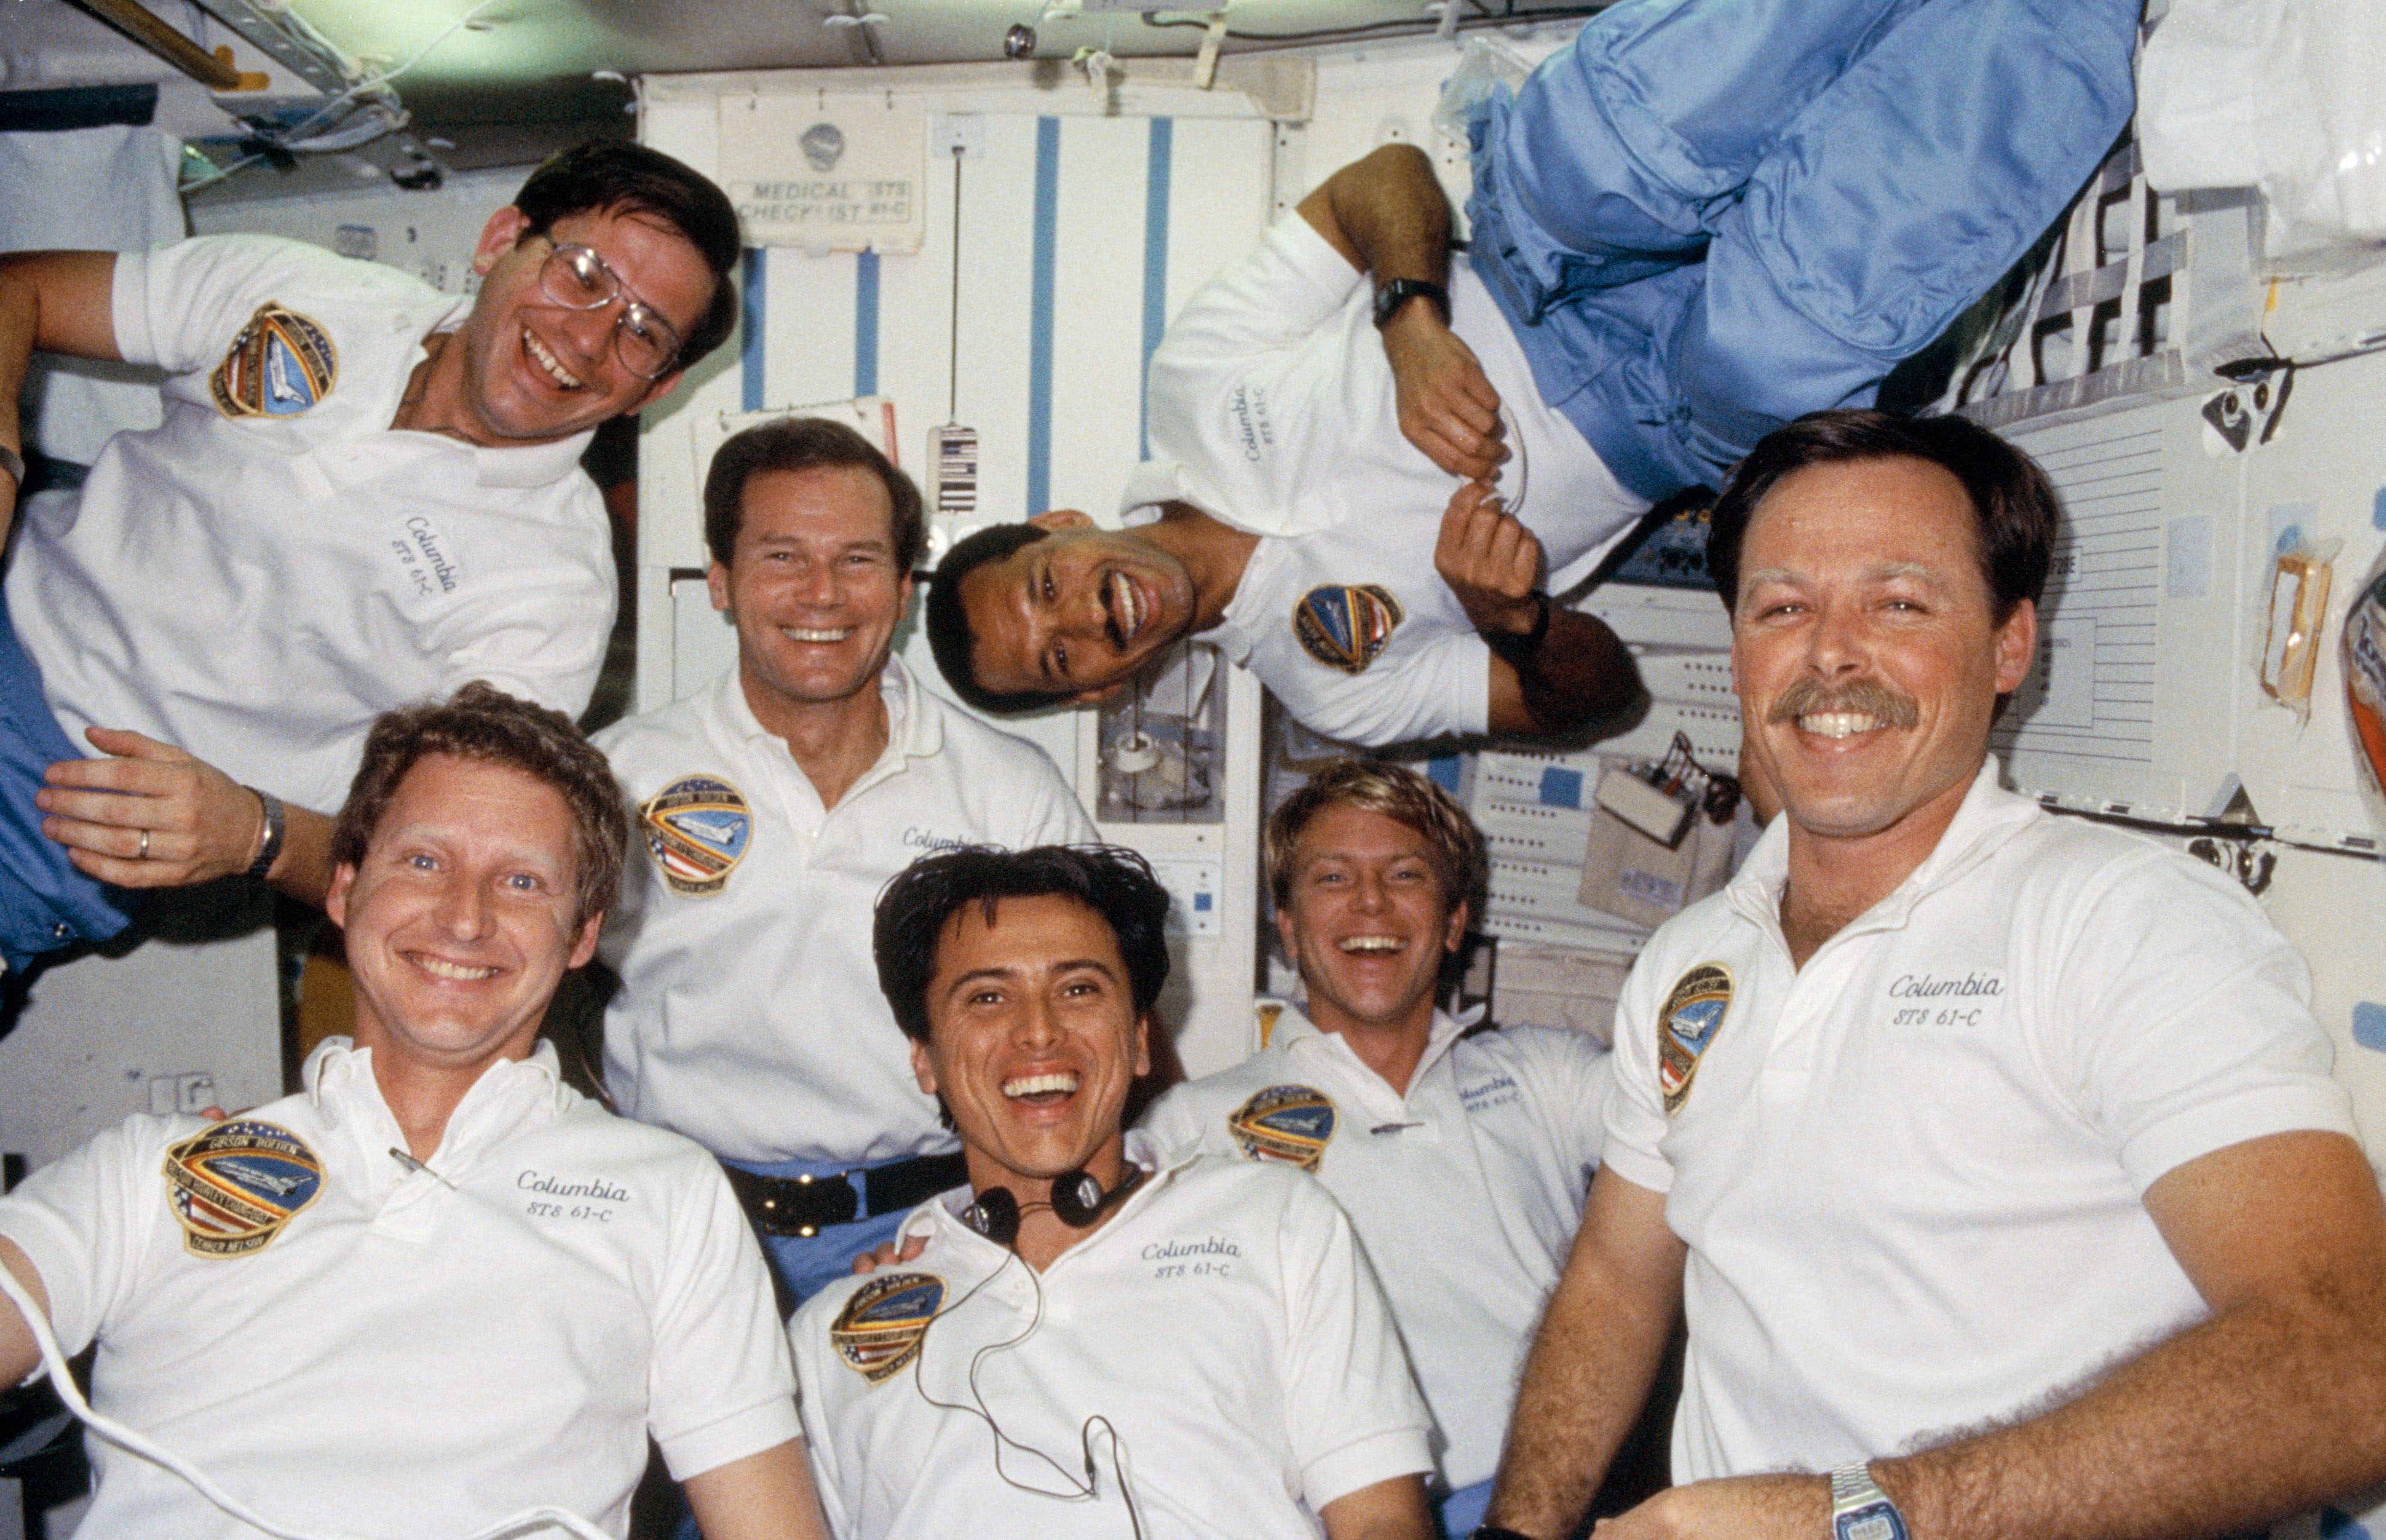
(19, 1353)
(1578, 672)
(1394, 1510)
(766, 1496)
(1387, 217)
(199, 823)
(53, 302)
(2274, 1403)
(1593, 1361)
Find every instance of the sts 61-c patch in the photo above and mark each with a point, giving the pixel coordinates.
(697, 827)
(234, 1186)
(1291, 1123)
(1344, 627)
(1687, 1025)
(880, 1329)
(281, 364)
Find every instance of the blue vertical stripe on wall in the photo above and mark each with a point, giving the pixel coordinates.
(749, 358)
(865, 323)
(1040, 316)
(1155, 258)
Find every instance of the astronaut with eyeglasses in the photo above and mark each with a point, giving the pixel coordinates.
(363, 493)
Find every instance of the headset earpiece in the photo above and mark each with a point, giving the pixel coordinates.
(1077, 1200)
(994, 1215)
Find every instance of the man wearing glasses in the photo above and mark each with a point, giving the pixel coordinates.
(363, 493)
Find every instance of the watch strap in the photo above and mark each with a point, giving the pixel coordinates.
(13, 464)
(1390, 296)
(276, 826)
(1860, 1509)
(1516, 646)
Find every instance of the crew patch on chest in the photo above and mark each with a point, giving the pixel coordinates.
(234, 1186)
(1288, 1124)
(698, 828)
(1346, 627)
(280, 365)
(1686, 1027)
(879, 1332)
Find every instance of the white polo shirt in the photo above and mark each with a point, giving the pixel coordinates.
(258, 577)
(337, 1338)
(1911, 1173)
(1272, 408)
(1220, 1329)
(750, 1017)
(1466, 1192)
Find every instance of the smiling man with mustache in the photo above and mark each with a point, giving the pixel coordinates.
(1947, 1112)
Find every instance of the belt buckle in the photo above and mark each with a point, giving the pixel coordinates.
(853, 1194)
(809, 1224)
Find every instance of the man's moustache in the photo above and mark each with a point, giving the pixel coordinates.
(1862, 697)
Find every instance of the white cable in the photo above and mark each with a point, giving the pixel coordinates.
(388, 75)
(55, 1361)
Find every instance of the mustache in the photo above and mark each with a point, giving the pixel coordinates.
(1868, 697)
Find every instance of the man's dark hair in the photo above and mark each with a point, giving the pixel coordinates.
(946, 621)
(605, 176)
(484, 724)
(806, 443)
(914, 907)
(2015, 511)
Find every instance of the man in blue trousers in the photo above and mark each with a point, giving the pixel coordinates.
(1698, 219)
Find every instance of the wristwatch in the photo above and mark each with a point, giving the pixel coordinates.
(1516, 646)
(1400, 291)
(1860, 1509)
(270, 844)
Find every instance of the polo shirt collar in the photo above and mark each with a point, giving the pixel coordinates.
(509, 1095)
(1987, 815)
(913, 734)
(1299, 1037)
(521, 465)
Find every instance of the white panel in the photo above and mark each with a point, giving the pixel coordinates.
(2158, 602)
(2326, 473)
(1098, 309)
(996, 295)
(156, 1028)
(2151, 672)
(916, 333)
(807, 324)
(1216, 206)
(2328, 903)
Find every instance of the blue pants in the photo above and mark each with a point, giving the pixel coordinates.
(44, 902)
(1459, 1511)
(1705, 218)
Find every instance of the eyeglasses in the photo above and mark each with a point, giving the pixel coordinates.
(577, 279)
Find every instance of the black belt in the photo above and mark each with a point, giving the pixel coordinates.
(803, 1206)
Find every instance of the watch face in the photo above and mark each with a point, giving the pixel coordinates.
(1873, 1521)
